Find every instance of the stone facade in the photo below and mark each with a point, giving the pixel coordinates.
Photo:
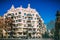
(28, 22)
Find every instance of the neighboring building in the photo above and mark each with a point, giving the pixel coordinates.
(2, 27)
(5, 26)
(28, 22)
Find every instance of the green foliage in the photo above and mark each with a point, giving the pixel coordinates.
(46, 35)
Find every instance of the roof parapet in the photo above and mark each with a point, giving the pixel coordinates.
(12, 7)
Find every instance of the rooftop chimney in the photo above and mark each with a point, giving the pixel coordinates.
(28, 5)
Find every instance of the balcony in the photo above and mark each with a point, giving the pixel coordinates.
(16, 27)
(34, 30)
(25, 27)
(9, 31)
(28, 22)
(29, 15)
(14, 35)
(38, 31)
(25, 30)
(17, 34)
(30, 31)
(18, 31)
(30, 26)
(30, 18)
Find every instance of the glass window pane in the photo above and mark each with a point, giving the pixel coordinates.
(19, 12)
(24, 14)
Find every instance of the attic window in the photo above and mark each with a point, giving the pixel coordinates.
(9, 14)
(15, 13)
(19, 12)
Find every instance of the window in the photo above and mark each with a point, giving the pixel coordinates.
(20, 33)
(19, 12)
(19, 24)
(33, 22)
(33, 33)
(38, 29)
(37, 15)
(33, 14)
(30, 29)
(24, 14)
(39, 23)
(9, 14)
(14, 33)
(24, 21)
(34, 29)
(28, 21)
(16, 20)
(5, 16)
(0, 30)
(25, 17)
(24, 33)
(30, 18)
(19, 20)
(29, 15)
(15, 29)
(15, 13)
(12, 14)
(35, 18)
(29, 25)
(19, 16)
(16, 25)
(15, 17)
(24, 25)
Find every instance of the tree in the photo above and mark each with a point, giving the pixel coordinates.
(52, 32)
(57, 26)
(46, 35)
(50, 24)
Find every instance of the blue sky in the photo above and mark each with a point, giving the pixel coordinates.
(46, 8)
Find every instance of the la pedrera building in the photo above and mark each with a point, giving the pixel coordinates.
(28, 22)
